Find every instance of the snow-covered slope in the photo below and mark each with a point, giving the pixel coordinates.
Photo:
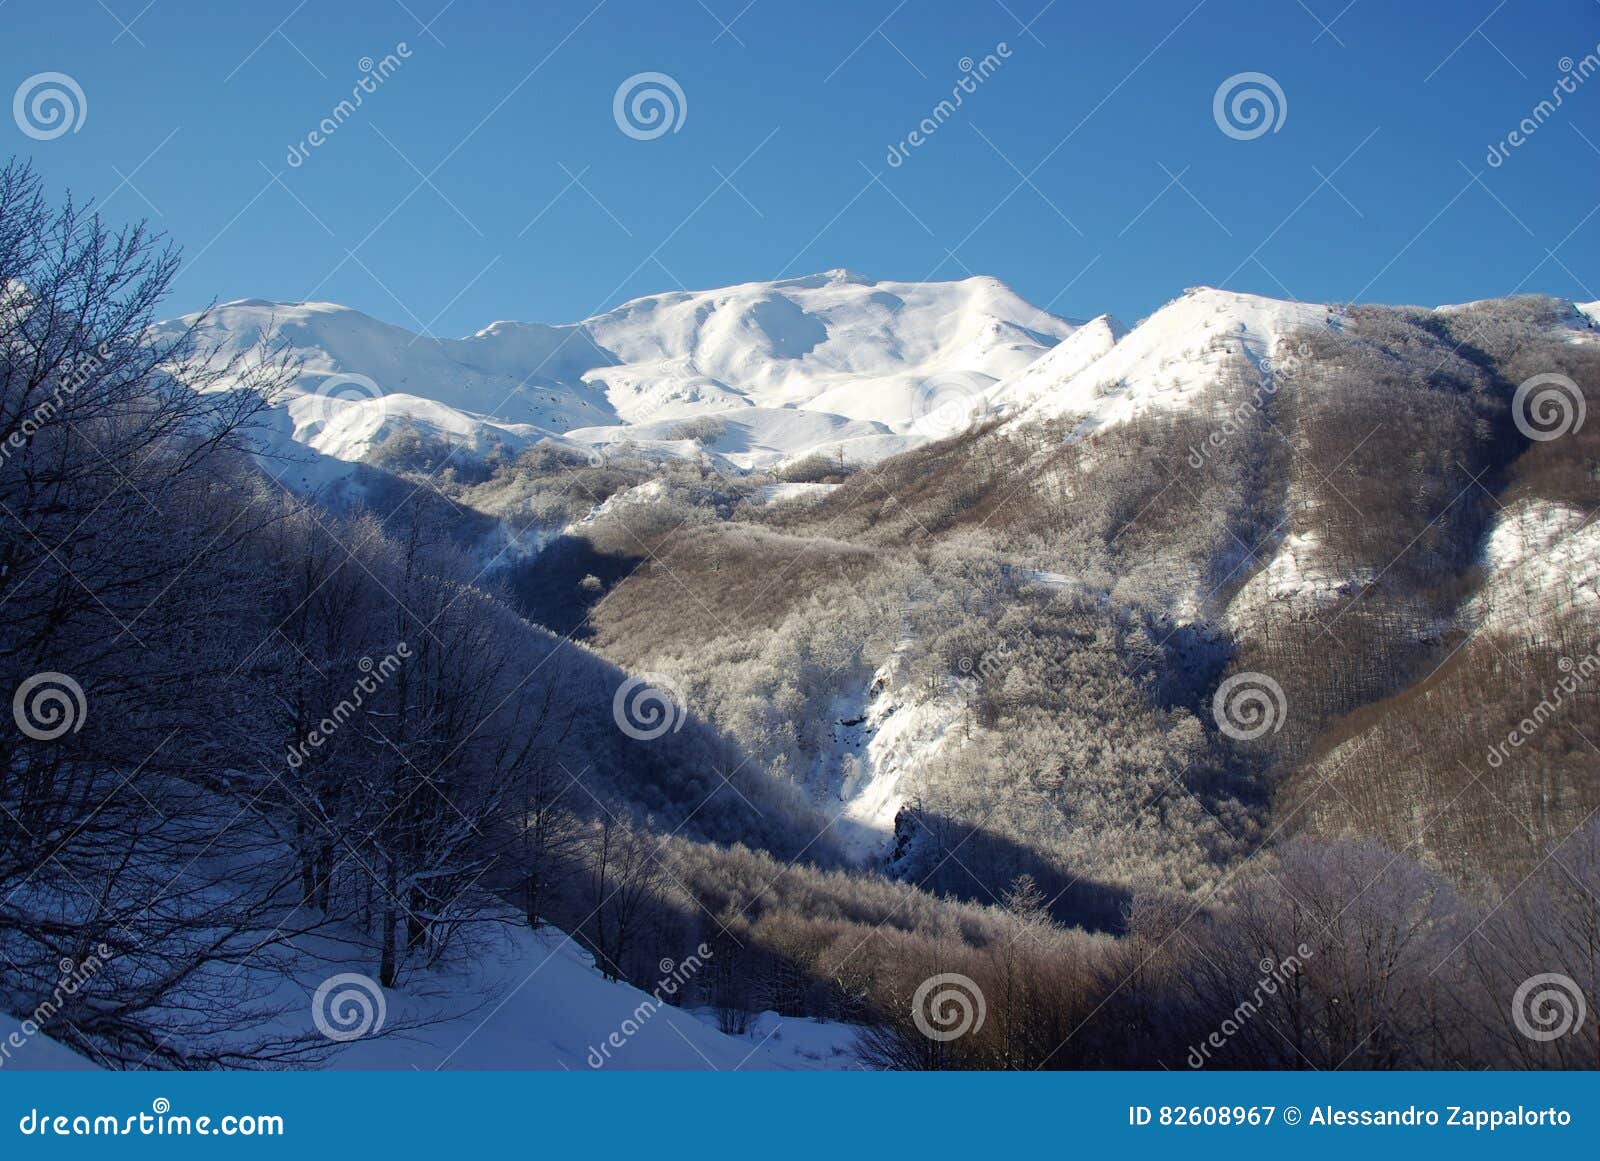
(834, 343)
(1543, 561)
(879, 738)
(525, 1001)
(535, 1001)
(36, 1052)
(818, 363)
(828, 363)
(1046, 374)
(1163, 363)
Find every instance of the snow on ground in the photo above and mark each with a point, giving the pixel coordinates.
(1044, 375)
(1297, 578)
(38, 1053)
(749, 437)
(831, 360)
(536, 1001)
(645, 493)
(785, 493)
(834, 343)
(522, 1000)
(798, 1042)
(825, 363)
(1543, 559)
(346, 428)
(878, 738)
(1167, 360)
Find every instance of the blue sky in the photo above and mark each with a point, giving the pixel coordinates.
(487, 178)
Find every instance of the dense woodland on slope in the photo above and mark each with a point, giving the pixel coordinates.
(1114, 872)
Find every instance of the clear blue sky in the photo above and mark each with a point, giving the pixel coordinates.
(537, 206)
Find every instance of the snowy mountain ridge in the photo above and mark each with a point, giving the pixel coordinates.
(758, 374)
(789, 367)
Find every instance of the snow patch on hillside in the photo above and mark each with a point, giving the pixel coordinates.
(874, 749)
(1297, 580)
(1544, 559)
(786, 493)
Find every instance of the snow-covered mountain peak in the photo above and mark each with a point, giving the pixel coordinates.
(832, 362)
(1164, 362)
(852, 352)
(1079, 350)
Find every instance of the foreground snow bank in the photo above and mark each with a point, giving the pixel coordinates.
(537, 1002)
(531, 1001)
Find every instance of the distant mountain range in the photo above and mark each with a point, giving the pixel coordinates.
(833, 364)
